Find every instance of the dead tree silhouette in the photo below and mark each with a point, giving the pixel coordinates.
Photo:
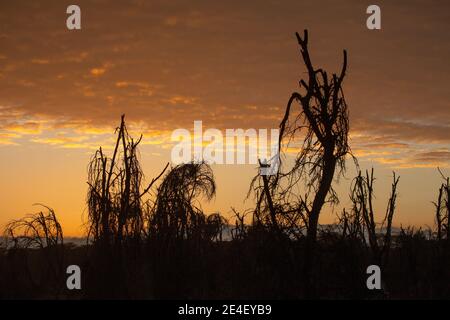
(362, 195)
(239, 232)
(115, 191)
(323, 121)
(214, 226)
(117, 203)
(443, 209)
(351, 224)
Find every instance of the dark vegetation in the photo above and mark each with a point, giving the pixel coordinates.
(155, 242)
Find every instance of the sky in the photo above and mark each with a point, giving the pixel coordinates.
(230, 64)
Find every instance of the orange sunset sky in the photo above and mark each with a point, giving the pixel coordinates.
(231, 64)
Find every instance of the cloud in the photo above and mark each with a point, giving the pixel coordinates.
(40, 61)
(96, 72)
(77, 57)
(8, 138)
(137, 88)
(69, 140)
(407, 130)
(171, 21)
(434, 156)
(23, 128)
(182, 100)
(227, 63)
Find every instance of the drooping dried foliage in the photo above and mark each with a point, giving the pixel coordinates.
(177, 212)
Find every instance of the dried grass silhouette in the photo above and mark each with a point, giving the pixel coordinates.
(40, 230)
(39, 233)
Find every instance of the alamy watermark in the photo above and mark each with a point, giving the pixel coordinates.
(236, 146)
(73, 21)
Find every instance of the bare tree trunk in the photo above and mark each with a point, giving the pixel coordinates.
(319, 199)
(270, 203)
(438, 214)
(311, 237)
(447, 204)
